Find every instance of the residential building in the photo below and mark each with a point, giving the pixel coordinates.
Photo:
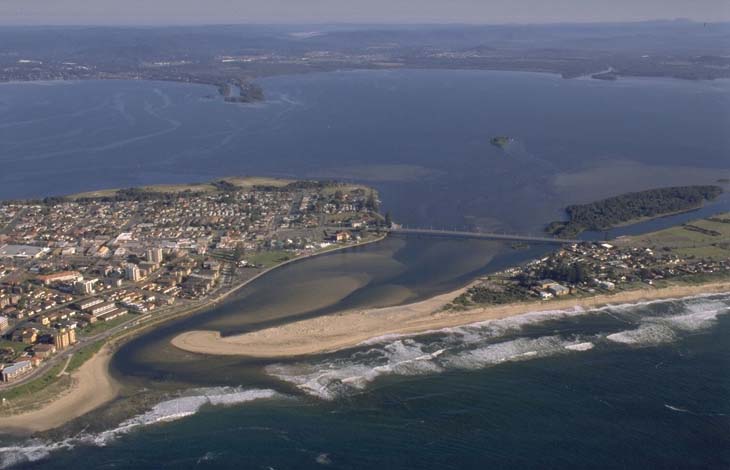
(558, 290)
(62, 276)
(64, 338)
(14, 371)
(85, 287)
(44, 351)
(132, 272)
(88, 303)
(155, 255)
(100, 309)
(29, 336)
(22, 251)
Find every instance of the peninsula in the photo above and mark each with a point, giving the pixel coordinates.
(632, 207)
(79, 272)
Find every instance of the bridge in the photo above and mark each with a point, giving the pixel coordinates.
(479, 235)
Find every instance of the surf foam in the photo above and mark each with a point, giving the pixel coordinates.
(170, 410)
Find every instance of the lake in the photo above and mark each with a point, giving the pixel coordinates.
(421, 137)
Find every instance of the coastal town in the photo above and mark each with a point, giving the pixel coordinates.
(691, 252)
(75, 269)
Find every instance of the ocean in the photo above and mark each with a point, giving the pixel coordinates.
(626, 386)
(643, 385)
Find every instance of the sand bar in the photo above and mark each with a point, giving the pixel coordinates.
(350, 328)
(92, 387)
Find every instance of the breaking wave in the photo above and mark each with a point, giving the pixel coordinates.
(166, 411)
(476, 346)
(178, 408)
(520, 338)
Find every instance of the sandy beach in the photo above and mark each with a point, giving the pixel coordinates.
(92, 387)
(350, 328)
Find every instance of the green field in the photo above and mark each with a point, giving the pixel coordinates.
(684, 241)
(241, 182)
(83, 355)
(100, 326)
(270, 258)
(37, 390)
(14, 345)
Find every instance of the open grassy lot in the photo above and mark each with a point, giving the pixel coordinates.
(83, 355)
(250, 181)
(241, 182)
(14, 345)
(270, 258)
(101, 326)
(704, 238)
(161, 188)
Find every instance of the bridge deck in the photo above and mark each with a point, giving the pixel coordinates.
(483, 235)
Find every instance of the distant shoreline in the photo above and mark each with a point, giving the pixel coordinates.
(351, 328)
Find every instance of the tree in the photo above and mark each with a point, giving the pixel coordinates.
(372, 201)
(388, 220)
(239, 252)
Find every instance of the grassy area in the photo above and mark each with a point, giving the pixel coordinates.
(33, 389)
(687, 241)
(241, 182)
(83, 355)
(333, 219)
(14, 345)
(346, 188)
(270, 258)
(100, 326)
(250, 181)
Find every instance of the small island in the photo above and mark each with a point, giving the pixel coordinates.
(501, 141)
(241, 91)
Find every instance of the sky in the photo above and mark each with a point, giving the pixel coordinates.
(150, 12)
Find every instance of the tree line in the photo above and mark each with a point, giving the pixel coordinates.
(613, 211)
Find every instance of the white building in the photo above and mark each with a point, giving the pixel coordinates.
(85, 287)
(154, 255)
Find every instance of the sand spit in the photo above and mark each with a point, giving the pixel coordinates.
(350, 328)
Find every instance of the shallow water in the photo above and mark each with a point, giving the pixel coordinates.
(314, 287)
